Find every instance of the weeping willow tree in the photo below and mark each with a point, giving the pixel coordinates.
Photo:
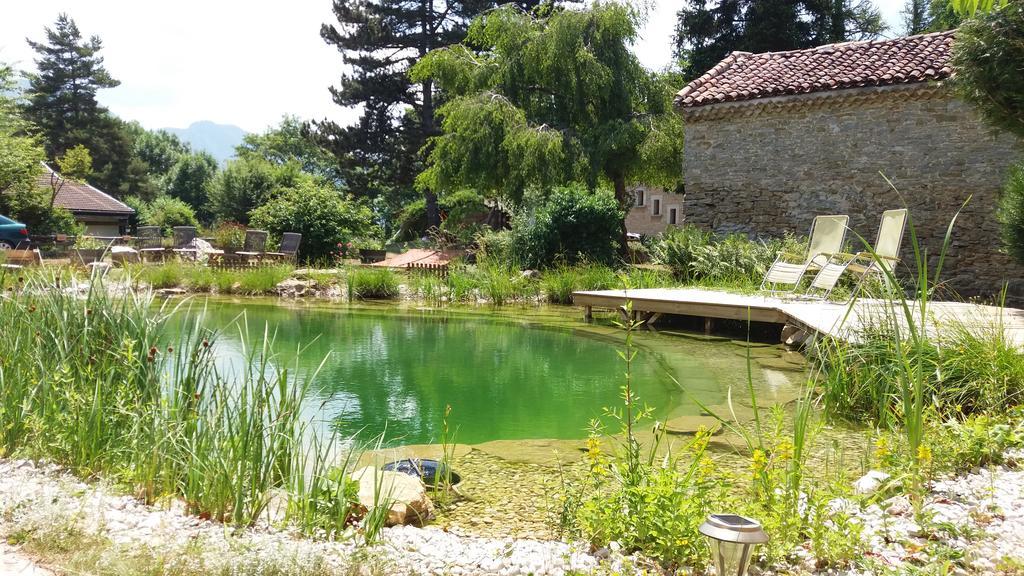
(541, 101)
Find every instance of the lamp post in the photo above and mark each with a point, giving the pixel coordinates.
(732, 538)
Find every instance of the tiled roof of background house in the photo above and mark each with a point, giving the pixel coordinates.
(746, 76)
(78, 197)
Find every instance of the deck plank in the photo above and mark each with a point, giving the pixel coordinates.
(827, 318)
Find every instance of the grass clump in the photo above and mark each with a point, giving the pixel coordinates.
(558, 284)
(372, 283)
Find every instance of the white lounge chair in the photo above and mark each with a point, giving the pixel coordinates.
(886, 252)
(826, 238)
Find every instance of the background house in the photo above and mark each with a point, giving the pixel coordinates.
(653, 210)
(102, 214)
(774, 139)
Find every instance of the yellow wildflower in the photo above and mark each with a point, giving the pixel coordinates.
(924, 454)
(882, 448)
(759, 461)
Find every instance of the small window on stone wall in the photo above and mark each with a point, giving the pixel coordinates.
(672, 216)
(639, 197)
(657, 207)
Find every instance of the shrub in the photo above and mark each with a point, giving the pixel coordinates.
(462, 212)
(372, 283)
(675, 249)
(495, 247)
(1011, 213)
(731, 258)
(167, 212)
(32, 208)
(229, 236)
(463, 215)
(321, 214)
(571, 225)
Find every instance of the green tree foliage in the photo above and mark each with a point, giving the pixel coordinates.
(159, 149)
(708, 30)
(21, 157)
(166, 212)
(536, 102)
(246, 183)
(379, 41)
(571, 225)
(987, 56)
(1011, 213)
(22, 154)
(76, 163)
(974, 7)
(191, 179)
(290, 142)
(318, 212)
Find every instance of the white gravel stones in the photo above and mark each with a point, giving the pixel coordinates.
(980, 515)
(37, 498)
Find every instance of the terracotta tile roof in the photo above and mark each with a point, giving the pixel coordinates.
(83, 197)
(746, 76)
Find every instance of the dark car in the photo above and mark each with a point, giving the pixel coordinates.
(12, 234)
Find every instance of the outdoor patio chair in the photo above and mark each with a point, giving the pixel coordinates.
(183, 237)
(885, 252)
(150, 242)
(255, 244)
(826, 238)
(290, 242)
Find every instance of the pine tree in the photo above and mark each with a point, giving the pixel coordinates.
(379, 41)
(62, 104)
(708, 30)
(62, 98)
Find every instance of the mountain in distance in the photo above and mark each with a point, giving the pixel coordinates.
(219, 140)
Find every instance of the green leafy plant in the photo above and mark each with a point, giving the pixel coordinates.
(570, 226)
(321, 214)
(633, 496)
(167, 212)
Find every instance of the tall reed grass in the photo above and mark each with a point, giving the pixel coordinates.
(99, 384)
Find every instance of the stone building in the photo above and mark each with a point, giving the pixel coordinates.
(774, 139)
(653, 210)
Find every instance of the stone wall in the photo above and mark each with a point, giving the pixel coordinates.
(765, 169)
(642, 218)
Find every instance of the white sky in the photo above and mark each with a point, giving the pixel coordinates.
(243, 62)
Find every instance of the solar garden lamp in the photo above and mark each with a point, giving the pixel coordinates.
(732, 538)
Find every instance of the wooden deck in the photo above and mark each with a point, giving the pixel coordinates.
(813, 316)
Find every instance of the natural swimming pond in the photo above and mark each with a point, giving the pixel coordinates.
(507, 376)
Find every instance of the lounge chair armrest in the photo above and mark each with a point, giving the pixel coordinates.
(870, 256)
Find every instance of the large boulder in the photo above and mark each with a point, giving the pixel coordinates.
(407, 496)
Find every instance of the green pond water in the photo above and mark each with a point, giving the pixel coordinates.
(509, 375)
